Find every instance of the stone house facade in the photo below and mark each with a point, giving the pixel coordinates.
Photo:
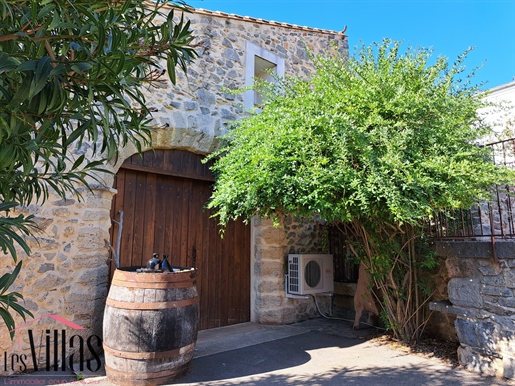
(67, 274)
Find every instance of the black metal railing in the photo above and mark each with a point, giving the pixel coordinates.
(487, 220)
(491, 219)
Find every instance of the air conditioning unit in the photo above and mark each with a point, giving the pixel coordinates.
(309, 274)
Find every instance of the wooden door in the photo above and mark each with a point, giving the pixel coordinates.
(162, 194)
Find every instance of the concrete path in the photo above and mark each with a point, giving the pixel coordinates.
(316, 352)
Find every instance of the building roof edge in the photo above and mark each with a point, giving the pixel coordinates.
(251, 19)
(501, 87)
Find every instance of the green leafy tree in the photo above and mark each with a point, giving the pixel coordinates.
(377, 144)
(71, 79)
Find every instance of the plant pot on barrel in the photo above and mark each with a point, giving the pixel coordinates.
(150, 325)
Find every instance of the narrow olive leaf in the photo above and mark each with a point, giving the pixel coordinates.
(29, 65)
(22, 92)
(6, 316)
(8, 278)
(7, 62)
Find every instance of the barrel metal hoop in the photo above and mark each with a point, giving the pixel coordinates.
(153, 285)
(151, 306)
(136, 378)
(149, 355)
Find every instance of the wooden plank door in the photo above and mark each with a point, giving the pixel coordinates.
(162, 195)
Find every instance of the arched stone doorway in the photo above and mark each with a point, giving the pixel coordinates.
(162, 194)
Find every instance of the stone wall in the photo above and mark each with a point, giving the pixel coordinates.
(194, 113)
(67, 275)
(440, 324)
(272, 244)
(481, 295)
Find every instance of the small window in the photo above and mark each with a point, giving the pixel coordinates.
(262, 69)
(259, 63)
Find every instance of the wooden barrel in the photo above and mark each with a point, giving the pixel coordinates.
(150, 326)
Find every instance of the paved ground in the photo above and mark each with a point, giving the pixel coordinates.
(318, 352)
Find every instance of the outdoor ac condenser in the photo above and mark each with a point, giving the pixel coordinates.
(309, 274)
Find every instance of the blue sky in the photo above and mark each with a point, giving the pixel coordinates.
(447, 26)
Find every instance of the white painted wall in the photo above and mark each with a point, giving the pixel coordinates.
(502, 120)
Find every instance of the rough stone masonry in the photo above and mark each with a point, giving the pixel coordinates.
(481, 295)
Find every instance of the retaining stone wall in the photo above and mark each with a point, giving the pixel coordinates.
(481, 295)
(440, 325)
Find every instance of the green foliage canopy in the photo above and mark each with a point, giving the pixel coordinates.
(383, 134)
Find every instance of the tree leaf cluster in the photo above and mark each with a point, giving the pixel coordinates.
(72, 72)
(385, 134)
